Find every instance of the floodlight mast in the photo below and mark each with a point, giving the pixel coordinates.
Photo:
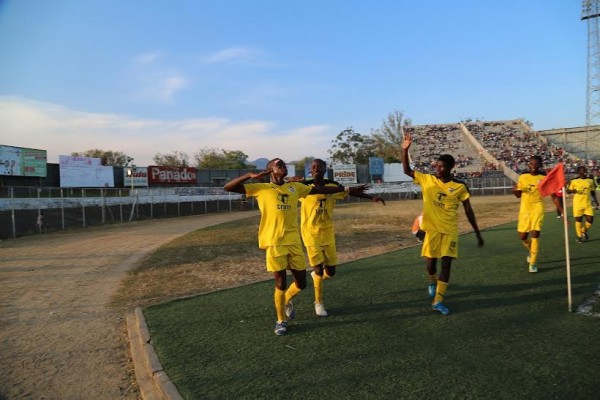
(590, 13)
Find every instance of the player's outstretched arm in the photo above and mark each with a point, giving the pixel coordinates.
(376, 199)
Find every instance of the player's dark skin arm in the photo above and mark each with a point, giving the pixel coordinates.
(405, 146)
(471, 217)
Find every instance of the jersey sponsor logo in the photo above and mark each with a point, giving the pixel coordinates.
(321, 206)
(440, 200)
(283, 200)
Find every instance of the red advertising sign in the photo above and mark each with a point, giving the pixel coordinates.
(160, 174)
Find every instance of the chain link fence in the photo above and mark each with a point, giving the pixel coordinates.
(32, 210)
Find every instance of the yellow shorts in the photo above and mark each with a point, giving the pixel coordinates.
(280, 258)
(325, 255)
(530, 221)
(580, 212)
(438, 245)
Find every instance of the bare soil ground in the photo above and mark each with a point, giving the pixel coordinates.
(59, 339)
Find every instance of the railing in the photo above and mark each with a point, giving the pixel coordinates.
(29, 210)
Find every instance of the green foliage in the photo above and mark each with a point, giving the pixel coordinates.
(350, 147)
(107, 157)
(208, 158)
(388, 138)
(174, 159)
(300, 165)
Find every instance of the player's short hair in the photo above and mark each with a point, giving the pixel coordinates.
(448, 160)
(323, 163)
(538, 158)
(273, 161)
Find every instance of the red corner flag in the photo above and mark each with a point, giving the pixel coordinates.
(553, 181)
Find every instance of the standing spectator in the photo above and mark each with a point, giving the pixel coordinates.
(318, 233)
(278, 231)
(531, 211)
(585, 190)
(441, 198)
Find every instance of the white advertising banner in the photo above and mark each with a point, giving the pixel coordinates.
(345, 173)
(84, 172)
(395, 173)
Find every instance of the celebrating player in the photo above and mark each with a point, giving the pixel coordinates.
(318, 233)
(441, 197)
(278, 231)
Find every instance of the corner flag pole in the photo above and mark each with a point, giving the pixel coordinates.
(568, 257)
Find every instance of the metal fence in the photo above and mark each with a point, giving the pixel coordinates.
(30, 210)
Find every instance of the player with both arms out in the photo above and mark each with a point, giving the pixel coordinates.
(442, 196)
(318, 235)
(278, 230)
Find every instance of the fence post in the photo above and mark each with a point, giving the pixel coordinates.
(121, 205)
(83, 206)
(62, 208)
(12, 207)
(103, 209)
(39, 195)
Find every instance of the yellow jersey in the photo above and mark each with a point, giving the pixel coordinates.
(316, 216)
(278, 206)
(583, 188)
(440, 202)
(531, 198)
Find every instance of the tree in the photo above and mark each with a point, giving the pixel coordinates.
(208, 158)
(107, 157)
(350, 147)
(301, 163)
(388, 138)
(174, 159)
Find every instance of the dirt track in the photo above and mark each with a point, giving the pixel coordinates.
(58, 338)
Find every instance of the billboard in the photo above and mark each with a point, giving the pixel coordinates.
(344, 173)
(163, 174)
(140, 177)
(84, 172)
(21, 161)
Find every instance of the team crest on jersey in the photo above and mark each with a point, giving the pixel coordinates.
(292, 189)
(451, 190)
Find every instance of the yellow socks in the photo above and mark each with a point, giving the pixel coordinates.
(280, 305)
(586, 226)
(440, 291)
(533, 253)
(291, 292)
(318, 284)
(527, 244)
(325, 275)
(578, 228)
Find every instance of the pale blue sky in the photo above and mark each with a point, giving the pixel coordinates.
(276, 78)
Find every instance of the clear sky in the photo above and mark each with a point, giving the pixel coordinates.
(277, 78)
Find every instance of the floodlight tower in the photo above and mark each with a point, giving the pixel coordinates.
(591, 13)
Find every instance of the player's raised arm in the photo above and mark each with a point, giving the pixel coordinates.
(237, 184)
(405, 146)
